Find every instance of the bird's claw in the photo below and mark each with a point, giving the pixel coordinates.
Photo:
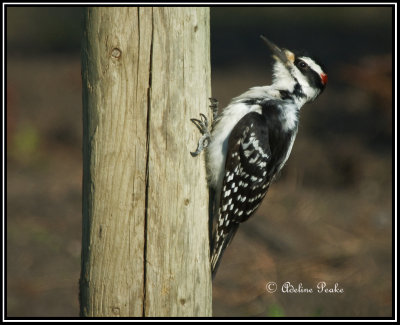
(214, 107)
(202, 125)
(203, 143)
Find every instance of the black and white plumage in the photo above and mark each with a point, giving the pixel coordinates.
(251, 140)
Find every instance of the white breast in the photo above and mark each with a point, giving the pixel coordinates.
(289, 116)
(289, 150)
(216, 151)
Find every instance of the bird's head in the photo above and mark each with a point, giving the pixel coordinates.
(301, 75)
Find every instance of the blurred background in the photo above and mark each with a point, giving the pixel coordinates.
(328, 217)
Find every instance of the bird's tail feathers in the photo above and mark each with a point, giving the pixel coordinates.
(221, 240)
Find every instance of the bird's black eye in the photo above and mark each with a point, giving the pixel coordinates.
(302, 65)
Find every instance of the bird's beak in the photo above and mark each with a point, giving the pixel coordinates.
(284, 55)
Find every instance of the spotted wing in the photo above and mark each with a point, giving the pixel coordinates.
(246, 180)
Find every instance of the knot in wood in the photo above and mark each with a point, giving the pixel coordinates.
(115, 310)
(116, 53)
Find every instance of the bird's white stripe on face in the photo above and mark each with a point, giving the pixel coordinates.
(312, 64)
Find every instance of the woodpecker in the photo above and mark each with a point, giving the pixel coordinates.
(249, 142)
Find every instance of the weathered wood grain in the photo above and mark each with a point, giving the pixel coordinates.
(145, 72)
(177, 191)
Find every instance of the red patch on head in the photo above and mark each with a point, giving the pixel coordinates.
(324, 78)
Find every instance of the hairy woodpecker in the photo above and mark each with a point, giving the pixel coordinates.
(251, 139)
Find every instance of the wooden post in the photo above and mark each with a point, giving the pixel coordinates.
(145, 250)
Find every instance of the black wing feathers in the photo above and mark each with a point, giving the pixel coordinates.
(245, 181)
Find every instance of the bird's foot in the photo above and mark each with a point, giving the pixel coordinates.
(202, 125)
(214, 108)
